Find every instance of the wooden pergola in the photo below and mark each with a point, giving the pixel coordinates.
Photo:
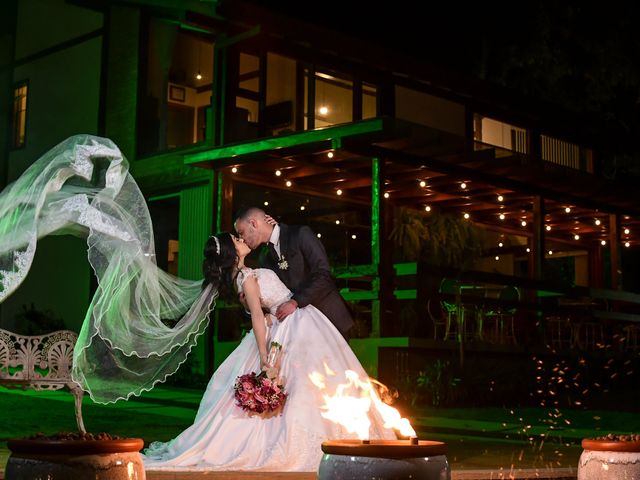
(394, 162)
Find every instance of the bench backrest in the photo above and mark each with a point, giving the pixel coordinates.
(43, 357)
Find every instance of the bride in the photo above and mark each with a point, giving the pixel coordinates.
(125, 347)
(225, 437)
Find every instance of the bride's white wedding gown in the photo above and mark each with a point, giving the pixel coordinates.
(224, 437)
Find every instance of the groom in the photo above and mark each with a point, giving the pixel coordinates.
(298, 257)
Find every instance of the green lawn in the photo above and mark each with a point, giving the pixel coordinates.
(477, 437)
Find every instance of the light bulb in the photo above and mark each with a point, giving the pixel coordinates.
(627, 231)
(198, 76)
(323, 110)
(603, 242)
(523, 223)
(278, 173)
(502, 216)
(423, 183)
(234, 170)
(500, 198)
(288, 183)
(330, 154)
(338, 192)
(576, 237)
(427, 208)
(597, 221)
(568, 209)
(466, 216)
(463, 185)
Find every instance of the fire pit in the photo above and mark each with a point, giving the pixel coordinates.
(384, 459)
(613, 457)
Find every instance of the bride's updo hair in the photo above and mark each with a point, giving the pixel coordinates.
(220, 258)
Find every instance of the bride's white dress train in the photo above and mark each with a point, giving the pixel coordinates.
(224, 437)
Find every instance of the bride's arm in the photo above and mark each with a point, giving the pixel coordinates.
(252, 298)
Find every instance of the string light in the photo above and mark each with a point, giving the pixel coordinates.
(627, 244)
(463, 185)
(330, 154)
(427, 208)
(266, 204)
(337, 222)
(302, 207)
(576, 237)
(528, 249)
(466, 216)
(548, 227)
(500, 244)
(288, 183)
(500, 198)
(597, 221)
(278, 173)
(323, 110)
(423, 183)
(354, 236)
(603, 242)
(234, 170)
(319, 235)
(567, 209)
(338, 192)
(502, 216)
(550, 252)
(627, 231)
(497, 258)
(523, 223)
(386, 194)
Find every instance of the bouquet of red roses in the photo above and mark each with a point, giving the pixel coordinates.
(262, 392)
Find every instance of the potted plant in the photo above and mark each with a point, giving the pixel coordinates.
(76, 456)
(610, 457)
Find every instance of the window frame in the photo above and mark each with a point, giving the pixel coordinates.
(14, 124)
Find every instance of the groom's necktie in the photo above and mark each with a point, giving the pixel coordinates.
(272, 251)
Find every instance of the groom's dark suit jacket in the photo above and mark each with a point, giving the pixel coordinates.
(308, 274)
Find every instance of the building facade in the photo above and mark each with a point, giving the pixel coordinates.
(222, 104)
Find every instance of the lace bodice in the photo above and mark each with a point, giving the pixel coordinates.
(272, 291)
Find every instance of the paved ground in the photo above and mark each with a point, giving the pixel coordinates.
(483, 443)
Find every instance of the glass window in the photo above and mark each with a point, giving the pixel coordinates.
(333, 100)
(279, 112)
(164, 212)
(19, 115)
(369, 101)
(500, 134)
(177, 91)
(561, 152)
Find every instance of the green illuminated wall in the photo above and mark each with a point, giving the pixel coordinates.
(58, 50)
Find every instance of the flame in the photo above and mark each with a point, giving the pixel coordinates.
(352, 402)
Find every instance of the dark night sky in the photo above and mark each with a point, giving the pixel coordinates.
(584, 58)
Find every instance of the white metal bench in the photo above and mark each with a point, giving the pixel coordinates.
(40, 363)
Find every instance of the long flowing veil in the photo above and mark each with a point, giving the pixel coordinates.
(126, 344)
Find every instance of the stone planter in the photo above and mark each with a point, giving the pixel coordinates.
(610, 458)
(383, 459)
(52, 459)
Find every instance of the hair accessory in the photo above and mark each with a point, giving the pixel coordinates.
(217, 244)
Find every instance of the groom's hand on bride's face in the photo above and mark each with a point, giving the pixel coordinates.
(269, 219)
(286, 309)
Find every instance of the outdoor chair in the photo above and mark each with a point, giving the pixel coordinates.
(503, 317)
